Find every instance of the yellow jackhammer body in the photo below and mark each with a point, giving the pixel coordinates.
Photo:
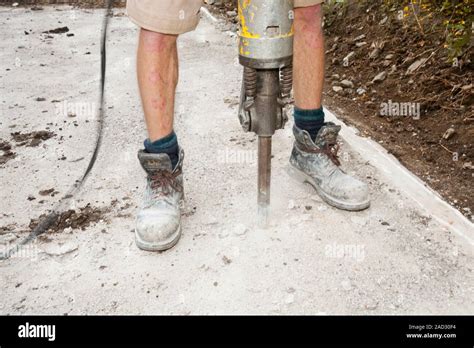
(266, 53)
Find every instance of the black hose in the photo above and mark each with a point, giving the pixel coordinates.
(62, 205)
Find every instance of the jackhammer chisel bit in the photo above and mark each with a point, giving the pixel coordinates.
(266, 53)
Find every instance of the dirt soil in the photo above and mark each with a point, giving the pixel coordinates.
(437, 146)
(73, 218)
(7, 153)
(31, 138)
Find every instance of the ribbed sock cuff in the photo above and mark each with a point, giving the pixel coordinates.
(309, 120)
(168, 145)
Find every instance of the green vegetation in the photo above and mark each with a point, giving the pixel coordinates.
(456, 19)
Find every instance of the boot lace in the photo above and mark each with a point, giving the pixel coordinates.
(162, 182)
(330, 150)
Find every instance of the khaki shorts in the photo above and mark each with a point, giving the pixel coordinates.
(175, 16)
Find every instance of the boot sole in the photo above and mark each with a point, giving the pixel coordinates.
(337, 203)
(157, 247)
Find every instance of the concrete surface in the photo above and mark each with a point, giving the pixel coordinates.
(391, 258)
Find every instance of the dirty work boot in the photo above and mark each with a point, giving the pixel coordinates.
(316, 162)
(158, 225)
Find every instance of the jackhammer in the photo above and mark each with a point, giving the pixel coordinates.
(266, 53)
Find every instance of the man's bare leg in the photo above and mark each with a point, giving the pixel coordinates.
(308, 60)
(158, 223)
(316, 162)
(157, 69)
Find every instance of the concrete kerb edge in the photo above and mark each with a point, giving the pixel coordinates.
(415, 188)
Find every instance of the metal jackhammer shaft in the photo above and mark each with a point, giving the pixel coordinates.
(264, 177)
